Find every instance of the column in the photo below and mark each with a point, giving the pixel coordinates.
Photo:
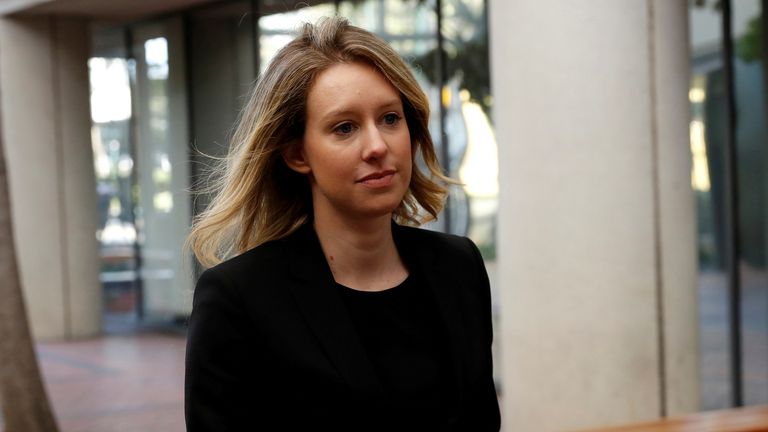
(596, 225)
(46, 126)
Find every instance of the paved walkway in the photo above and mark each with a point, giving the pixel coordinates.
(116, 384)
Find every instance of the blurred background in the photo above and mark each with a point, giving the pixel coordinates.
(612, 156)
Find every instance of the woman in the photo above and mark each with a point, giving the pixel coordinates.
(332, 314)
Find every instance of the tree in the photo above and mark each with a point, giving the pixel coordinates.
(25, 404)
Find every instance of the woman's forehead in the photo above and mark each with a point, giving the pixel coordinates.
(351, 86)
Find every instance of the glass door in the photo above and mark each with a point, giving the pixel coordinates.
(162, 158)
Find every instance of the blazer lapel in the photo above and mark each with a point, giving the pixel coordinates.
(440, 283)
(318, 299)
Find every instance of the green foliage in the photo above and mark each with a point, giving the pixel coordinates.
(470, 60)
(465, 51)
(749, 47)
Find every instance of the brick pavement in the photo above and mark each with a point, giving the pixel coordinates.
(116, 384)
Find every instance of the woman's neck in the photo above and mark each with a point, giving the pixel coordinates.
(361, 253)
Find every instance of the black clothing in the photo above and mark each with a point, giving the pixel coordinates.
(399, 331)
(271, 345)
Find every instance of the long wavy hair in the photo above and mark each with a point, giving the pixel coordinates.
(256, 197)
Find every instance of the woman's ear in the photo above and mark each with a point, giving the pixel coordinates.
(295, 159)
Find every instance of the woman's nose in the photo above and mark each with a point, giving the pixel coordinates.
(374, 145)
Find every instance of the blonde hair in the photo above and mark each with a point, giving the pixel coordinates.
(257, 198)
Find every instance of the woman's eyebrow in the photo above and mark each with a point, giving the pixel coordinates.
(343, 111)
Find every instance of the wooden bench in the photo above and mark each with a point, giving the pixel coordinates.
(748, 419)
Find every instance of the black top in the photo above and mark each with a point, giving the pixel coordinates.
(400, 332)
(272, 346)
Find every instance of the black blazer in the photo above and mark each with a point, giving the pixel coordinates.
(271, 346)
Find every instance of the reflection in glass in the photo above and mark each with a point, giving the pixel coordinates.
(276, 30)
(288, 21)
(751, 90)
(479, 172)
(708, 136)
(707, 140)
(406, 18)
(113, 164)
(162, 202)
(156, 58)
(110, 90)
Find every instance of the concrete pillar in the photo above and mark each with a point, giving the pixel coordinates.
(597, 251)
(46, 126)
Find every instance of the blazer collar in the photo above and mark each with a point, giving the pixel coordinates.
(318, 299)
(439, 280)
(314, 290)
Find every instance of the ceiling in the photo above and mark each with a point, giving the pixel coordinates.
(126, 10)
(97, 9)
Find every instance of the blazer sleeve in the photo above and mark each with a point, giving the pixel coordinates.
(216, 374)
(482, 404)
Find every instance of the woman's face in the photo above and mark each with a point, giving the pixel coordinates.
(356, 149)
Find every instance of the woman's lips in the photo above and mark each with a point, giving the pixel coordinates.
(378, 179)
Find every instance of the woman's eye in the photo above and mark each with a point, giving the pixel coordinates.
(344, 128)
(391, 119)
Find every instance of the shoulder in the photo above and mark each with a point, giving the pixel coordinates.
(251, 275)
(266, 257)
(439, 243)
(268, 264)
